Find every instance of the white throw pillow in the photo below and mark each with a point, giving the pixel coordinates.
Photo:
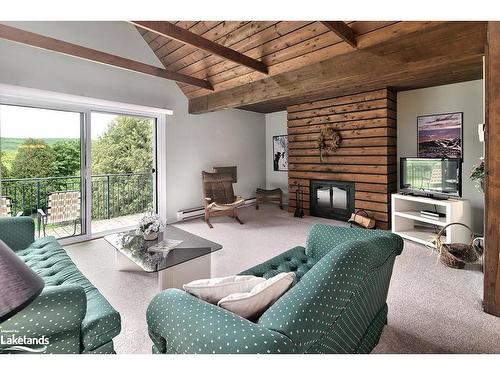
(252, 304)
(213, 290)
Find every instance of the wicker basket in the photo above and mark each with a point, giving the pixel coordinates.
(456, 255)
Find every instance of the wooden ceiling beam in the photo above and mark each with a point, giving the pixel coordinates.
(465, 70)
(50, 44)
(378, 62)
(313, 82)
(180, 34)
(343, 31)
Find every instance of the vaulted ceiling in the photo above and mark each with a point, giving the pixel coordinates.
(265, 66)
(282, 46)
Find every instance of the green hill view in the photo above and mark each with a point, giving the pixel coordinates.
(11, 144)
(9, 148)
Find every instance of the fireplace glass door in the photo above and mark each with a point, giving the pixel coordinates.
(332, 199)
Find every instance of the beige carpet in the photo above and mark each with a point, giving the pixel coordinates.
(432, 309)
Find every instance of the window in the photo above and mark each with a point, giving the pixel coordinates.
(123, 166)
(80, 167)
(41, 159)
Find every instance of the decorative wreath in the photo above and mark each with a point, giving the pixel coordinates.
(329, 140)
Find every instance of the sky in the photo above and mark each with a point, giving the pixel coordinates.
(25, 122)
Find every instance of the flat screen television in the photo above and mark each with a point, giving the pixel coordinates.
(432, 177)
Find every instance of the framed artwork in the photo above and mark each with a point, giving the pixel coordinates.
(440, 136)
(280, 153)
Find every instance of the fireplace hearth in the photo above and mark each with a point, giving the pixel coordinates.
(332, 199)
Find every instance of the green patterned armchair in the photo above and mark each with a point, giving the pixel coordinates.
(337, 305)
(70, 313)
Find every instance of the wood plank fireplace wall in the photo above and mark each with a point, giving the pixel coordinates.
(366, 156)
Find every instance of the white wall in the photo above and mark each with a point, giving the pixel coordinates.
(276, 124)
(466, 97)
(194, 142)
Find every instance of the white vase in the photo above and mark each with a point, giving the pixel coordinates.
(151, 236)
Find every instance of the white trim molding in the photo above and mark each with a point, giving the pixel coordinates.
(11, 94)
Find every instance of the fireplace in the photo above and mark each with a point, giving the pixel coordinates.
(332, 199)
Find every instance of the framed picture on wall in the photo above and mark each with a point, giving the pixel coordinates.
(280, 153)
(440, 136)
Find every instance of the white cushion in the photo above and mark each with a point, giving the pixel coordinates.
(252, 304)
(213, 290)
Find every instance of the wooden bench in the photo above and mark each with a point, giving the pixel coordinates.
(269, 196)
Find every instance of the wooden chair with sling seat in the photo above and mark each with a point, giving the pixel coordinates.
(218, 196)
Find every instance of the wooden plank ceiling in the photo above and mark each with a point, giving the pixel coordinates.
(292, 51)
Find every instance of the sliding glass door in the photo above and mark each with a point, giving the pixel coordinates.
(42, 159)
(123, 170)
(77, 174)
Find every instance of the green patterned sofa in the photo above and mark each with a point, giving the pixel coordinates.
(338, 304)
(70, 311)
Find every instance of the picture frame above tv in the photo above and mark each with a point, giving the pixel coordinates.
(440, 135)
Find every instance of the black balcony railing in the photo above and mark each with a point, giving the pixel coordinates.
(113, 195)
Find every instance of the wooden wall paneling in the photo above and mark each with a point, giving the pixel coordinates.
(367, 154)
(377, 188)
(346, 134)
(350, 142)
(350, 177)
(365, 160)
(343, 125)
(355, 98)
(350, 151)
(491, 300)
(374, 197)
(328, 166)
(343, 108)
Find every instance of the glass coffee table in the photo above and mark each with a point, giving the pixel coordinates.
(189, 261)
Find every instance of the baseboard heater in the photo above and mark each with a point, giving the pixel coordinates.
(191, 213)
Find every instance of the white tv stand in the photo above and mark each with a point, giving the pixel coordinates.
(410, 224)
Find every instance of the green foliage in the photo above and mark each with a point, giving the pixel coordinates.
(34, 158)
(4, 171)
(12, 144)
(66, 158)
(125, 147)
(8, 158)
(128, 194)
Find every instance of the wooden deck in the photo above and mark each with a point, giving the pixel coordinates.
(98, 226)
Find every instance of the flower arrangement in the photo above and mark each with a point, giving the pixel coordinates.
(150, 225)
